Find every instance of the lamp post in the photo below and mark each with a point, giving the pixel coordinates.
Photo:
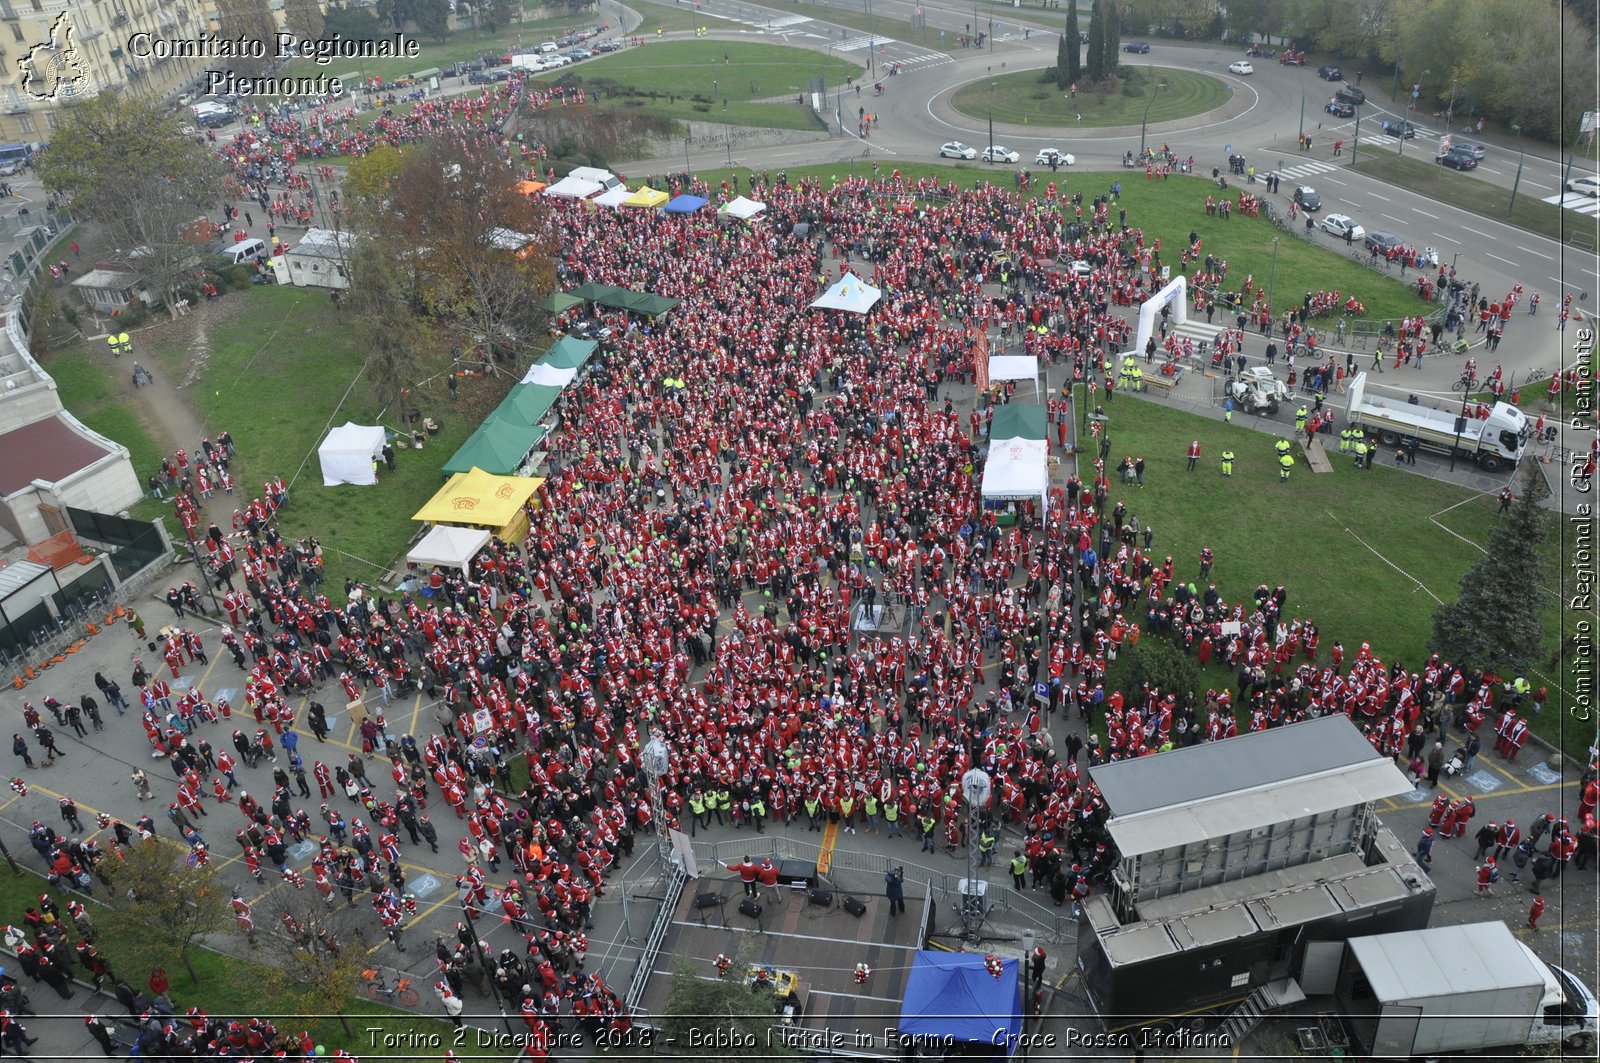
(872, 43)
(1355, 140)
(199, 563)
(1405, 121)
(479, 957)
(1143, 122)
(1272, 278)
(686, 170)
(1521, 156)
(656, 759)
(976, 788)
(1302, 117)
(990, 145)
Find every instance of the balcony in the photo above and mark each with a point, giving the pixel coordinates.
(119, 19)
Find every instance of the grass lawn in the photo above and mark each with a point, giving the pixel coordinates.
(87, 384)
(1477, 195)
(1170, 209)
(853, 14)
(1365, 567)
(1024, 98)
(714, 81)
(281, 362)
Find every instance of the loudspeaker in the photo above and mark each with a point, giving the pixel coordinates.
(820, 897)
(749, 907)
(855, 907)
(707, 900)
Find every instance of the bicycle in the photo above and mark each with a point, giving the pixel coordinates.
(378, 988)
(1466, 383)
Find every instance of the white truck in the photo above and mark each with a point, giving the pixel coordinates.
(1493, 442)
(1471, 989)
(528, 61)
(1256, 390)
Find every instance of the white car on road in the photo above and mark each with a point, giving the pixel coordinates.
(954, 149)
(1052, 157)
(996, 153)
(1241, 67)
(1342, 225)
(1585, 186)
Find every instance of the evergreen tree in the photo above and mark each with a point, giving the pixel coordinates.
(1063, 74)
(1074, 45)
(1112, 45)
(1494, 624)
(303, 18)
(1097, 43)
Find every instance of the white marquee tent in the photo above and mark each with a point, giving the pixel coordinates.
(448, 547)
(1015, 367)
(742, 208)
(348, 452)
(549, 375)
(573, 188)
(1018, 466)
(613, 197)
(850, 294)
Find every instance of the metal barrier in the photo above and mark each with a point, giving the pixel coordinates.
(652, 945)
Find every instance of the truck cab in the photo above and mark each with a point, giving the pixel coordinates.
(1258, 391)
(1569, 1015)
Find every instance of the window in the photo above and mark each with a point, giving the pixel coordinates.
(37, 6)
(16, 32)
(25, 123)
(49, 119)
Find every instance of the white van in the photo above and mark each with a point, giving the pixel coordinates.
(605, 178)
(244, 251)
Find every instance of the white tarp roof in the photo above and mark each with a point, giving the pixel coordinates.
(1017, 468)
(573, 188)
(741, 207)
(613, 197)
(347, 454)
(850, 294)
(550, 375)
(448, 547)
(1014, 367)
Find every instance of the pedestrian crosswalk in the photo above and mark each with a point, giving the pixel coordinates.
(855, 44)
(1306, 169)
(1583, 204)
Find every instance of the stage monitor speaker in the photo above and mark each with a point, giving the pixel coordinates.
(707, 900)
(974, 897)
(820, 897)
(801, 873)
(749, 907)
(854, 907)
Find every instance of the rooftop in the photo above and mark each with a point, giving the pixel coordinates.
(48, 450)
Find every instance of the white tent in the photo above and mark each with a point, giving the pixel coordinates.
(348, 452)
(1017, 468)
(573, 188)
(613, 197)
(742, 208)
(552, 376)
(850, 294)
(448, 547)
(1015, 367)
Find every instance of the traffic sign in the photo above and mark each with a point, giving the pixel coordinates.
(1041, 691)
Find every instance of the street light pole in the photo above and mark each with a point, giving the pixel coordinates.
(1355, 141)
(1521, 156)
(1143, 122)
(1302, 117)
(656, 759)
(1272, 279)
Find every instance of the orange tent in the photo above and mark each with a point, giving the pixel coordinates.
(529, 188)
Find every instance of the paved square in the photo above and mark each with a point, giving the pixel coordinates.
(1485, 781)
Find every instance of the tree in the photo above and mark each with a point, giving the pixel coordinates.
(369, 178)
(247, 20)
(303, 18)
(1096, 68)
(121, 162)
(317, 953)
(1494, 625)
(1112, 45)
(491, 15)
(350, 23)
(430, 17)
(1069, 58)
(168, 905)
(1159, 663)
(390, 335)
(703, 1005)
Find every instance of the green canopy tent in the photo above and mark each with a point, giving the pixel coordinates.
(1017, 420)
(624, 298)
(1018, 463)
(526, 404)
(499, 446)
(561, 301)
(569, 353)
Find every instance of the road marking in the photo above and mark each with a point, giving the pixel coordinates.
(1376, 196)
(1531, 251)
(1497, 258)
(1391, 217)
(1452, 239)
(1331, 181)
(830, 835)
(1486, 169)
(1475, 232)
(1534, 184)
(1425, 214)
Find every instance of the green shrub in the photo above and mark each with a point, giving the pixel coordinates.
(1156, 661)
(238, 277)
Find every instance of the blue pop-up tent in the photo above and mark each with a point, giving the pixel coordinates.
(685, 204)
(953, 995)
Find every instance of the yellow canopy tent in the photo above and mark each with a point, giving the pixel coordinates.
(529, 188)
(646, 197)
(479, 499)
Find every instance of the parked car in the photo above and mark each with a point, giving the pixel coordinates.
(1340, 109)
(608, 46)
(1343, 226)
(1307, 197)
(1471, 147)
(1585, 186)
(1330, 73)
(1052, 157)
(997, 153)
(1457, 159)
(1382, 242)
(1399, 129)
(452, 71)
(1351, 94)
(1241, 67)
(480, 77)
(581, 53)
(548, 46)
(1137, 47)
(954, 149)
(557, 60)
(498, 74)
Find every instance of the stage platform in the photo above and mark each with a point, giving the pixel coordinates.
(820, 945)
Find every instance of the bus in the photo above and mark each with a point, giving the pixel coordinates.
(13, 157)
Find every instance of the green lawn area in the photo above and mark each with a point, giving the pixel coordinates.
(1363, 567)
(1476, 195)
(1024, 98)
(281, 363)
(1170, 209)
(853, 14)
(713, 80)
(86, 380)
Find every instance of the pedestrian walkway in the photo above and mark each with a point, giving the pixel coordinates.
(1576, 201)
(1306, 169)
